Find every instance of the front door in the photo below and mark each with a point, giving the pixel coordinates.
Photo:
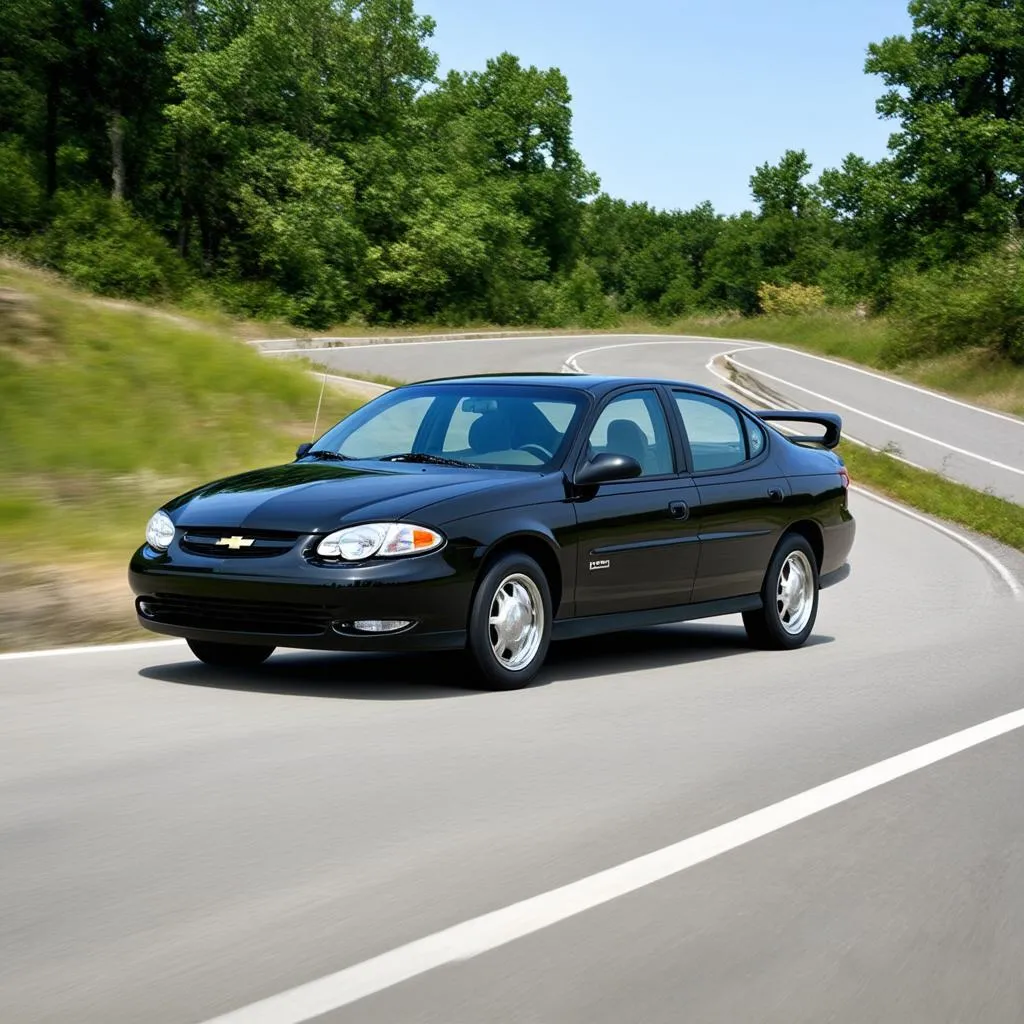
(742, 496)
(638, 543)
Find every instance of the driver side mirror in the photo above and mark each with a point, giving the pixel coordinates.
(605, 468)
(303, 449)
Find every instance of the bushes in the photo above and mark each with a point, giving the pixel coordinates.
(977, 304)
(21, 198)
(790, 299)
(578, 300)
(100, 244)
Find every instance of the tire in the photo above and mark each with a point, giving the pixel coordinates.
(508, 656)
(229, 655)
(786, 620)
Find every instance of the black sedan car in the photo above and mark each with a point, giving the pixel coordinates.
(499, 513)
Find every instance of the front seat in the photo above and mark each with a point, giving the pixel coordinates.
(491, 432)
(626, 438)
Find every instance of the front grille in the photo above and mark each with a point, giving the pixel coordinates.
(242, 543)
(236, 616)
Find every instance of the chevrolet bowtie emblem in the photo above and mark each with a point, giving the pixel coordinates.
(235, 543)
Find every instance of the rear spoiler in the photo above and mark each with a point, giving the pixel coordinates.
(832, 423)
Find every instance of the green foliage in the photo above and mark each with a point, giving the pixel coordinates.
(21, 197)
(579, 300)
(99, 243)
(952, 87)
(302, 160)
(980, 303)
(790, 299)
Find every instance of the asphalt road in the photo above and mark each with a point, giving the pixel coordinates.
(972, 445)
(177, 845)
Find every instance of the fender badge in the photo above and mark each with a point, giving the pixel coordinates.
(603, 563)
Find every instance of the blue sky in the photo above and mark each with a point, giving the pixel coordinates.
(677, 101)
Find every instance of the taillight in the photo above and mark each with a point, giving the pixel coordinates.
(844, 475)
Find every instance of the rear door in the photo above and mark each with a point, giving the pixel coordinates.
(637, 539)
(743, 495)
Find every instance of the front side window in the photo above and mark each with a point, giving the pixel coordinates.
(634, 424)
(478, 424)
(714, 430)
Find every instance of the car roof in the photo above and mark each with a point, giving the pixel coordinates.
(596, 384)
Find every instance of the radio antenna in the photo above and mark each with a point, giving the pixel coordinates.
(316, 420)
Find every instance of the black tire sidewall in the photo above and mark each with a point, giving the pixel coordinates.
(491, 674)
(776, 635)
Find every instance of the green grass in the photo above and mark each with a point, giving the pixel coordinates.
(936, 495)
(107, 410)
(841, 334)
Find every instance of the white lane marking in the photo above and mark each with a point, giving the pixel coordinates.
(319, 374)
(672, 339)
(490, 931)
(711, 368)
(750, 343)
(382, 345)
(1002, 570)
(879, 419)
(1005, 574)
(894, 380)
(573, 361)
(56, 652)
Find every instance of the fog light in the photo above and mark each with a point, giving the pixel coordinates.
(145, 608)
(380, 625)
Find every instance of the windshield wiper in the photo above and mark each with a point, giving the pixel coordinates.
(323, 453)
(432, 460)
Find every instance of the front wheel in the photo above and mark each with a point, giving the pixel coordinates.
(510, 623)
(229, 655)
(789, 596)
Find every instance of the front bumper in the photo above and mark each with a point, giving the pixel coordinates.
(301, 605)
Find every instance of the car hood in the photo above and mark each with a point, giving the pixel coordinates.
(314, 497)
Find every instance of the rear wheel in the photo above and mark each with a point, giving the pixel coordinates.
(789, 595)
(510, 623)
(229, 655)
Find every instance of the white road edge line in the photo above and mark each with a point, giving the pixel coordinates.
(894, 380)
(54, 652)
(1000, 568)
(1003, 571)
(877, 419)
(653, 338)
(751, 345)
(500, 927)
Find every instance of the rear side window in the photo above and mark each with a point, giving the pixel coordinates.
(716, 431)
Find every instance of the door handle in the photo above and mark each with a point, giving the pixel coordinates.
(679, 510)
(775, 494)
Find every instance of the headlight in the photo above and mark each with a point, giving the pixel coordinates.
(387, 540)
(160, 532)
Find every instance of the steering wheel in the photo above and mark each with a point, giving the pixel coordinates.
(533, 449)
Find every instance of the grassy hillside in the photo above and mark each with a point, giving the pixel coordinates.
(106, 410)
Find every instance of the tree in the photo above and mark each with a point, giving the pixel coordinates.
(955, 87)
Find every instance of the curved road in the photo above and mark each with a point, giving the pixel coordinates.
(320, 840)
(976, 446)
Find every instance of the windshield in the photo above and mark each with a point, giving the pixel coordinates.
(474, 424)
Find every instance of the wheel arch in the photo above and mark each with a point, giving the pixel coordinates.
(812, 533)
(537, 546)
